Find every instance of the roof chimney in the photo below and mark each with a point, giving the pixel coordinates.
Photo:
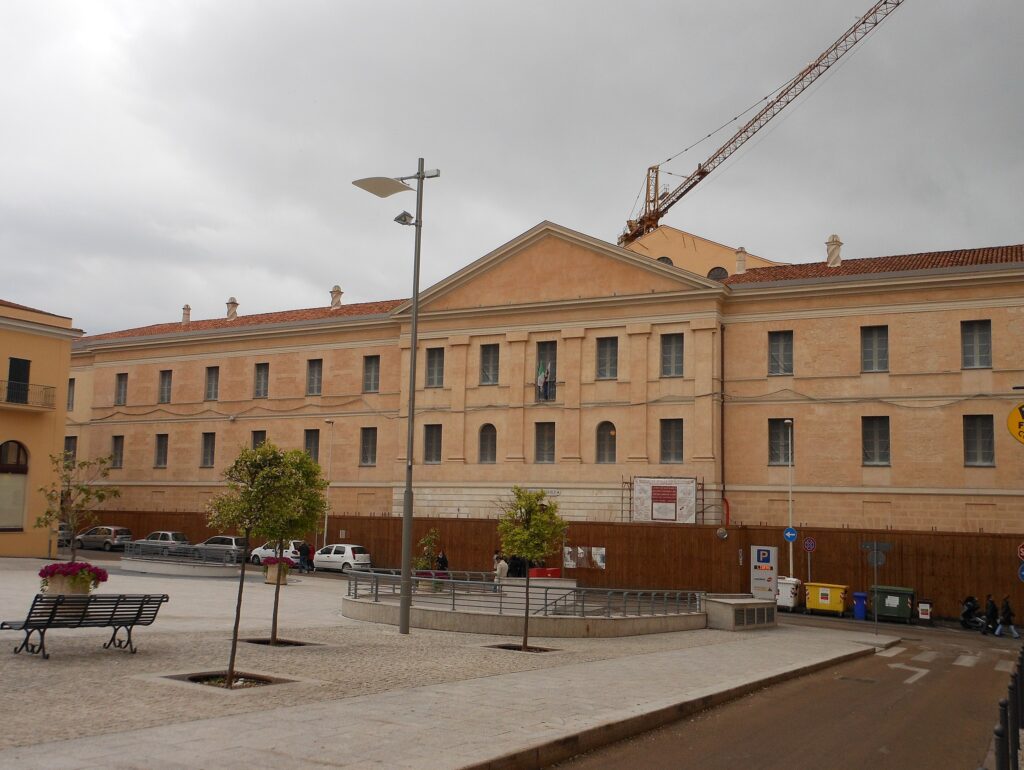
(232, 308)
(832, 246)
(186, 314)
(741, 261)
(336, 293)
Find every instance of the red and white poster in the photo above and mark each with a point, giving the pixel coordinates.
(665, 499)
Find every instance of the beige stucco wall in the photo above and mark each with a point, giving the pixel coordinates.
(45, 341)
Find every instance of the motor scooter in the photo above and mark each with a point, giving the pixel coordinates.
(969, 617)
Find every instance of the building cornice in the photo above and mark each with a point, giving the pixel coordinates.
(33, 327)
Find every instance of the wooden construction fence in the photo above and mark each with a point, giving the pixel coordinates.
(941, 566)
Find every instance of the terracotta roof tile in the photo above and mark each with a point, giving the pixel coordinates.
(257, 319)
(932, 260)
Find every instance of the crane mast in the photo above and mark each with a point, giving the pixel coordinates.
(656, 206)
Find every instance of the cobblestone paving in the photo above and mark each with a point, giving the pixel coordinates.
(85, 690)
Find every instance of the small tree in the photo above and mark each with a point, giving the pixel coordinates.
(74, 495)
(531, 529)
(427, 558)
(273, 494)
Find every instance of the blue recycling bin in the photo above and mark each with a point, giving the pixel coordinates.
(860, 605)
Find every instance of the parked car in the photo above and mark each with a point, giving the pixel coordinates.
(64, 535)
(342, 556)
(290, 549)
(107, 537)
(166, 541)
(225, 548)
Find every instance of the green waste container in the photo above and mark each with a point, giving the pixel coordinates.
(893, 602)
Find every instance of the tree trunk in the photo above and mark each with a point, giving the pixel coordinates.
(230, 678)
(277, 595)
(526, 614)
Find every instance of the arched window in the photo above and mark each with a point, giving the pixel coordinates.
(13, 481)
(718, 274)
(666, 260)
(488, 444)
(606, 443)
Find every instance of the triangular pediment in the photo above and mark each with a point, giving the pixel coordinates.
(550, 264)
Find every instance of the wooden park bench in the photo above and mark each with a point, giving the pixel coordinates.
(116, 611)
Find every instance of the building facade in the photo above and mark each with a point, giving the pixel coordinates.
(874, 390)
(35, 351)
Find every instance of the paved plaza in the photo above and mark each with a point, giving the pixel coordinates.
(362, 693)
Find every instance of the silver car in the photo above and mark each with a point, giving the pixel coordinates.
(221, 548)
(163, 542)
(107, 537)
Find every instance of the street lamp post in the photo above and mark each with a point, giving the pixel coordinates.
(789, 424)
(330, 455)
(382, 187)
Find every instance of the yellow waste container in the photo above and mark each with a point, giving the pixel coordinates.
(826, 597)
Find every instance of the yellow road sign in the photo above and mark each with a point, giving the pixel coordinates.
(1015, 422)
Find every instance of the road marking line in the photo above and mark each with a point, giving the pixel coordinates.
(968, 661)
(892, 652)
(913, 677)
(1005, 665)
(926, 657)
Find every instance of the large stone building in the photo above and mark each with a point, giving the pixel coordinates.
(562, 362)
(35, 348)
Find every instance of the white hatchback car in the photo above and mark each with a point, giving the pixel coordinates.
(290, 548)
(342, 556)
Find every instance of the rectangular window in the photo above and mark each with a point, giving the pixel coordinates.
(780, 352)
(875, 440)
(371, 374)
(979, 440)
(121, 389)
(71, 393)
(259, 438)
(71, 447)
(547, 370)
(435, 368)
(874, 348)
(489, 364)
(368, 445)
(212, 392)
(431, 444)
(607, 358)
(671, 355)
(160, 452)
(314, 376)
(672, 441)
(164, 394)
(544, 443)
(311, 442)
(261, 381)
(117, 452)
(976, 344)
(780, 448)
(209, 450)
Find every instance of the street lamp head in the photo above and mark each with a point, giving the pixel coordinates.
(787, 422)
(329, 422)
(405, 218)
(381, 186)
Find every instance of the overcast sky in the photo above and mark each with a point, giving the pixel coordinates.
(154, 154)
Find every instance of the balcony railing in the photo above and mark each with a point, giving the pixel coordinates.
(25, 394)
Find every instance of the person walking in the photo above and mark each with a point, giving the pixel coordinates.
(500, 573)
(305, 565)
(991, 615)
(1006, 619)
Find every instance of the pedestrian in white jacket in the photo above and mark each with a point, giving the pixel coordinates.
(500, 573)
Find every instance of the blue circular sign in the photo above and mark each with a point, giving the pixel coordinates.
(790, 535)
(1020, 572)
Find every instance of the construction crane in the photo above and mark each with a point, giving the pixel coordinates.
(657, 205)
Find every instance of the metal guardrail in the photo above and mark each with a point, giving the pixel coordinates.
(1011, 718)
(432, 590)
(184, 553)
(28, 394)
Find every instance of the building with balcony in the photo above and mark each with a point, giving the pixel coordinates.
(875, 389)
(35, 351)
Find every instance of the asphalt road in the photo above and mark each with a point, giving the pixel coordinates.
(929, 702)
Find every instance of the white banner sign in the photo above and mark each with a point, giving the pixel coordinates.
(665, 499)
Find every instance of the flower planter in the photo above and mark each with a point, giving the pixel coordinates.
(63, 586)
(271, 574)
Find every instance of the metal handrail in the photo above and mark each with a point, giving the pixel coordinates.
(28, 394)
(430, 589)
(183, 553)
